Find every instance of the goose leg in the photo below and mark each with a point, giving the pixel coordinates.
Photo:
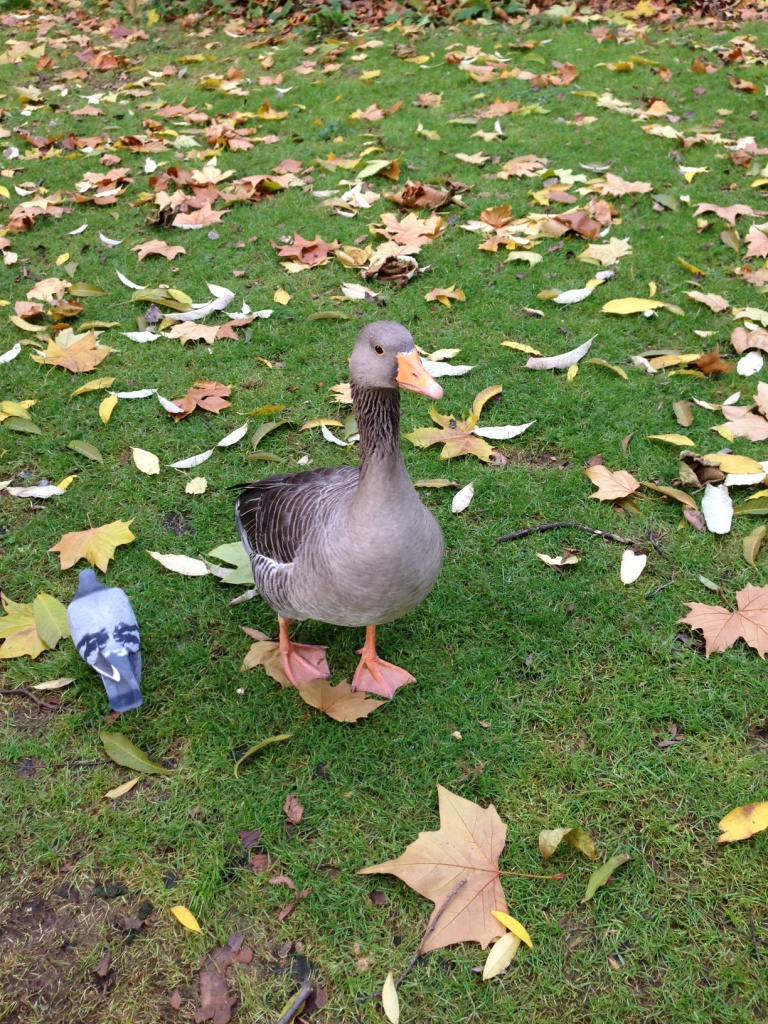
(301, 662)
(373, 674)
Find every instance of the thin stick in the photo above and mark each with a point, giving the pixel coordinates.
(546, 527)
(752, 934)
(430, 928)
(24, 691)
(296, 1003)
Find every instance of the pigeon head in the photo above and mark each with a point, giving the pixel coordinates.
(89, 584)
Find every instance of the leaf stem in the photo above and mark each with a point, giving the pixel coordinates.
(544, 878)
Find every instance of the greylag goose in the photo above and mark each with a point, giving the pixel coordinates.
(351, 546)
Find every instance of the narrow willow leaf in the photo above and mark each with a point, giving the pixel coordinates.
(187, 918)
(119, 791)
(182, 564)
(601, 876)
(54, 684)
(22, 425)
(436, 482)
(94, 385)
(83, 290)
(514, 926)
(679, 439)
(462, 498)
(265, 428)
(233, 437)
(87, 449)
(193, 461)
(671, 492)
(258, 746)
(50, 619)
(618, 370)
(123, 752)
(390, 1000)
(501, 955)
(751, 546)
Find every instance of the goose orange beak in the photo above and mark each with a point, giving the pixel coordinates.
(411, 376)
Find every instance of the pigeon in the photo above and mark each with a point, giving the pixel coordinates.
(105, 632)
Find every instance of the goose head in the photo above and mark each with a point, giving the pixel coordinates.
(385, 356)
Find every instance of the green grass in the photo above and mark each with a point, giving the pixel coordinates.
(577, 677)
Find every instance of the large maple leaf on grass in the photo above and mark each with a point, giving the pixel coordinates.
(467, 846)
(82, 356)
(457, 435)
(97, 545)
(722, 628)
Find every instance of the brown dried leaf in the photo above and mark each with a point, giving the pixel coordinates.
(467, 846)
(757, 243)
(205, 394)
(341, 702)
(612, 486)
(714, 302)
(82, 356)
(722, 628)
(156, 247)
(293, 810)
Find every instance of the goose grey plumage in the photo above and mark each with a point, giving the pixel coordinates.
(351, 546)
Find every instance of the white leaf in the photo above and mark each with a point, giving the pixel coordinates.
(502, 433)
(145, 461)
(222, 298)
(78, 231)
(194, 460)
(573, 295)
(445, 369)
(462, 498)
(390, 1000)
(141, 336)
(743, 479)
(717, 509)
(263, 314)
(168, 406)
(332, 437)
(182, 564)
(632, 566)
(119, 791)
(111, 242)
(197, 485)
(6, 357)
(48, 491)
(558, 560)
(358, 291)
(144, 393)
(561, 362)
(53, 684)
(127, 283)
(731, 399)
(750, 364)
(234, 437)
(642, 362)
(501, 955)
(441, 353)
(150, 165)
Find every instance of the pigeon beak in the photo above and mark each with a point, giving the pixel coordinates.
(411, 376)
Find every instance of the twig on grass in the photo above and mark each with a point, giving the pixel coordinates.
(546, 527)
(295, 1005)
(24, 691)
(430, 928)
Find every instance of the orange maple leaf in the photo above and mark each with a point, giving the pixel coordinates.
(97, 545)
(467, 846)
(457, 435)
(81, 357)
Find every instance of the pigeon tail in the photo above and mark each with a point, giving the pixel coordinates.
(123, 691)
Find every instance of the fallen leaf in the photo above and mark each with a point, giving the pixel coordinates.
(576, 837)
(340, 702)
(743, 822)
(50, 619)
(751, 544)
(445, 295)
(514, 926)
(623, 307)
(185, 917)
(118, 791)
(717, 509)
(19, 631)
(82, 356)
(293, 809)
(722, 628)
(205, 394)
(678, 439)
(467, 845)
(145, 461)
(501, 955)
(260, 746)
(156, 247)
(599, 877)
(97, 544)
(125, 753)
(714, 302)
(389, 1000)
(632, 565)
(561, 362)
(182, 564)
(612, 486)
(463, 498)
(457, 435)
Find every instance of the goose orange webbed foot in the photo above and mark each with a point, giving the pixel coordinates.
(374, 675)
(301, 662)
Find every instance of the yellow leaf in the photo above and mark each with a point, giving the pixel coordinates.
(62, 259)
(97, 544)
(743, 822)
(572, 371)
(94, 385)
(64, 484)
(681, 439)
(751, 544)
(651, 289)
(735, 463)
(25, 325)
(513, 925)
(145, 461)
(631, 305)
(282, 296)
(519, 347)
(18, 630)
(119, 791)
(152, 16)
(106, 408)
(50, 619)
(185, 917)
(690, 267)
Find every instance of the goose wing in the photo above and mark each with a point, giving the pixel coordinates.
(275, 515)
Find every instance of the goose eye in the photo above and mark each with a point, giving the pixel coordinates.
(378, 349)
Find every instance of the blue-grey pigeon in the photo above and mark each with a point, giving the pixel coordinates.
(106, 635)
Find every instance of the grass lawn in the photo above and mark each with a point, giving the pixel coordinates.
(562, 686)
